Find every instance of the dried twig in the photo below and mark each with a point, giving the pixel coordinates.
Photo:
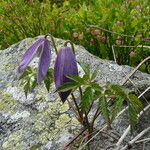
(114, 53)
(138, 90)
(121, 112)
(130, 143)
(138, 46)
(67, 145)
(92, 137)
(135, 69)
(143, 140)
(97, 27)
(128, 129)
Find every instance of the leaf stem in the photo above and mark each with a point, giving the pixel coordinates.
(97, 113)
(78, 109)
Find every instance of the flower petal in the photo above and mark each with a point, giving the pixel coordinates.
(44, 61)
(29, 54)
(65, 65)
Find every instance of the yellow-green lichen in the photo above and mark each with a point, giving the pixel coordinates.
(7, 103)
(42, 120)
(62, 121)
(9, 67)
(64, 108)
(14, 141)
(44, 137)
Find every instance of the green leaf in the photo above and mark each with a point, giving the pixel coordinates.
(34, 147)
(94, 74)
(118, 90)
(108, 92)
(104, 108)
(135, 106)
(34, 84)
(96, 87)
(68, 86)
(27, 87)
(86, 99)
(96, 95)
(86, 69)
(26, 73)
(116, 107)
(48, 79)
(132, 116)
(136, 102)
(76, 79)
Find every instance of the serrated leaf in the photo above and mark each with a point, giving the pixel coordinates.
(94, 74)
(26, 73)
(86, 69)
(86, 99)
(85, 77)
(118, 91)
(108, 92)
(96, 87)
(96, 95)
(136, 102)
(33, 84)
(104, 108)
(27, 87)
(116, 107)
(132, 116)
(48, 79)
(76, 79)
(67, 86)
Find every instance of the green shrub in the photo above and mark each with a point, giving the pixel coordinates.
(21, 19)
(95, 24)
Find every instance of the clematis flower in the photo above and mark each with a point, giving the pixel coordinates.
(45, 56)
(65, 65)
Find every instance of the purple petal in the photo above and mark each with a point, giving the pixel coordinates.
(29, 54)
(44, 61)
(65, 65)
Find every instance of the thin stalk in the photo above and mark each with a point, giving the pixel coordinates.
(80, 90)
(128, 129)
(65, 44)
(86, 116)
(53, 41)
(77, 115)
(130, 143)
(127, 77)
(76, 137)
(94, 26)
(90, 108)
(88, 125)
(78, 109)
(97, 113)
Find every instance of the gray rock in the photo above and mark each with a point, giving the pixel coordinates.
(41, 120)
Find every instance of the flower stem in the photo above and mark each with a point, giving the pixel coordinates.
(65, 44)
(78, 109)
(71, 106)
(53, 41)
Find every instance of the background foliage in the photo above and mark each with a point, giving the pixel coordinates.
(78, 20)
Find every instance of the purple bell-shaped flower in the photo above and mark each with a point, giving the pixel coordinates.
(45, 57)
(65, 65)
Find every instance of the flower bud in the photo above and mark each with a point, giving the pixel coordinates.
(65, 65)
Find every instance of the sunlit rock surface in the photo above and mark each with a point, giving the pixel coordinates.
(40, 121)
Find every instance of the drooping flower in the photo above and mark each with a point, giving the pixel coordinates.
(45, 56)
(65, 65)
